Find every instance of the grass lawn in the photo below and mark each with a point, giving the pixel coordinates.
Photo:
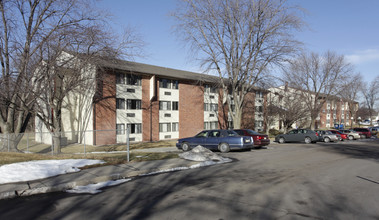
(76, 151)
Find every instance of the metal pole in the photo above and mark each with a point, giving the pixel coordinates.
(127, 144)
(27, 142)
(84, 143)
(52, 145)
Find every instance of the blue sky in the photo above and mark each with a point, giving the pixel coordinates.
(348, 27)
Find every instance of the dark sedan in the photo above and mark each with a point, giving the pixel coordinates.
(260, 140)
(298, 135)
(222, 140)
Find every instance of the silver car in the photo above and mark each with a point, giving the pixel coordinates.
(328, 136)
(352, 135)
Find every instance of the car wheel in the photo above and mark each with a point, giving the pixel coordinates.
(281, 140)
(224, 148)
(185, 146)
(351, 137)
(326, 140)
(308, 140)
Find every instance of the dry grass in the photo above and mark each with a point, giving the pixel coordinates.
(79, 151)
(110, 159)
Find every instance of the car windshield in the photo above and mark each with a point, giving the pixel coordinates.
(252, 132)
(328, 132)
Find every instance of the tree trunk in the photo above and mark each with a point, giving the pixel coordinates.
(237, 117)
(57, 136)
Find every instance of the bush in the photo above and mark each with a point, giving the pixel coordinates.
(274, 132)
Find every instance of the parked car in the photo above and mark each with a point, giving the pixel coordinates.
(222, 140)
(343, 135)
(260, 140)
(327, 136)
(374, 130)
(351, 134)
(298, 135)
(364, 132)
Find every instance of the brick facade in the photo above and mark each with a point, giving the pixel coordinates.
(191, 109)
(105, 109)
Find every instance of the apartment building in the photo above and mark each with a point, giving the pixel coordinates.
(334, 111)
(154, 103)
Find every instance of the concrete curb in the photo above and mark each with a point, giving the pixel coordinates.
(124, 175)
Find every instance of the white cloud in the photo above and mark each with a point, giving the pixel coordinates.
(364, 56)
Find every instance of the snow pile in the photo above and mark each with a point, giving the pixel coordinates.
(200, 153)
(40, 169)
(94, 188)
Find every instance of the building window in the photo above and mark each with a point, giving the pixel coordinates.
(206, 125)
(214, 107)
(206, 107)
(175, 106)
(167, 93)
(120, 103)
(213, 124)
(167, 115)
(175, 84)
(120, 129)
(164, 127)
(211, 96)
(133, 80)
(210, 89)
(165, 83)
(134, 104)
(135, 128)
(131, 90)
(120, 78)
(259, 94)
(175, 126)
(259, 108)
(211, 115)
(164, 105)
(258, 123)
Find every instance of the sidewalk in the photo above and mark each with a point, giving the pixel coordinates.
(94, 175)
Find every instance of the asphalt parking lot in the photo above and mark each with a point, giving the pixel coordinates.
(285, 181)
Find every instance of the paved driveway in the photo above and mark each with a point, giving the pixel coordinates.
(288, 181)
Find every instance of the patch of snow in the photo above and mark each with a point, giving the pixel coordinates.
(201, 153)
(95, 188)
(39, 169)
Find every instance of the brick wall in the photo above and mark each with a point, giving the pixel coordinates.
(191, 109)
(105, 109)
(248, 117)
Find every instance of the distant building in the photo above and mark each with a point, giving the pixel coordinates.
(334, 112)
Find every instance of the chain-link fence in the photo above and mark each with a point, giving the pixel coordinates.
(70, 142)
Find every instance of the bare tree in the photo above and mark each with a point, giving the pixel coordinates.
(68, 70)
(32, 32)
(350, 89)
(371, 96)
(238, 40)
(318, 78)
(287, 106)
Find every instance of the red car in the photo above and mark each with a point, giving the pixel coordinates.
(260, 140)
(364, 132)
(343, 135)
